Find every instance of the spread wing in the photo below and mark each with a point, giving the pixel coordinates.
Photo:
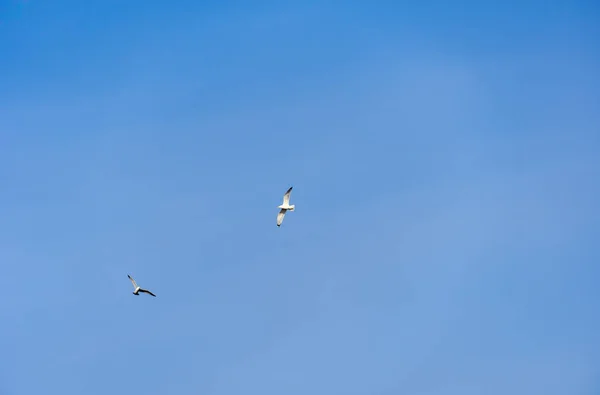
(280, 216)
(286, 197)
(132, 281)
(148, 292)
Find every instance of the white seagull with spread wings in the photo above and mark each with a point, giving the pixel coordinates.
(138, 289)
(285, 206)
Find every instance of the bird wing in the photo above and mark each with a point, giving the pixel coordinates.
(148, 292)
(286, 197)
(132, 281)
(280, 216)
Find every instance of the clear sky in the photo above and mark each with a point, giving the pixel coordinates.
(445, 159)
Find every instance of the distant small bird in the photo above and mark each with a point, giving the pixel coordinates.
(138, 289)
(285, 206)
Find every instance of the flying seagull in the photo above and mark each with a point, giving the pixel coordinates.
(138, 289)
(285, 206)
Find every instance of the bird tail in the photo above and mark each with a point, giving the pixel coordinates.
(292, 207)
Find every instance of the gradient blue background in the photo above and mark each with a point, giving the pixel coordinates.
(446, 172)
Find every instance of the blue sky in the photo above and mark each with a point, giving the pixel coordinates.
(446, 172)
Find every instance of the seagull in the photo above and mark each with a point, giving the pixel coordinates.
(138, 289)
(285, 206)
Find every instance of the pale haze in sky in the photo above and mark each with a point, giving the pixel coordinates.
(445, 159)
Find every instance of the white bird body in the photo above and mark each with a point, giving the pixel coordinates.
(285, 206)
(138, 289)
